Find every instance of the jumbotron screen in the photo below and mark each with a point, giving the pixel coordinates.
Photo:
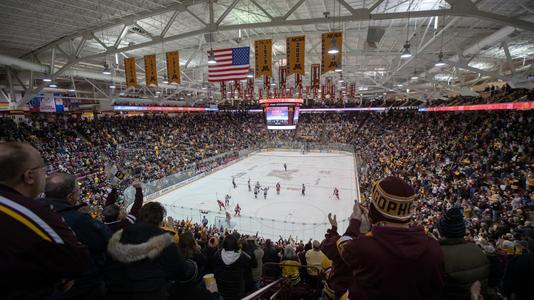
(282, 117)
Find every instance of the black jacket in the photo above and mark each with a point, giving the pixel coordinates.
(95, 235)
(270, 255)
(519, 277)
(38, 248)
(230, 270)
(144, 261)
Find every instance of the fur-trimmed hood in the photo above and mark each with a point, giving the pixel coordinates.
(128, 253)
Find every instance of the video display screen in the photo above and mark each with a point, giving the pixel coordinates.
(281, 117)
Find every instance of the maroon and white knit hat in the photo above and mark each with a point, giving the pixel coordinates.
(393, 199)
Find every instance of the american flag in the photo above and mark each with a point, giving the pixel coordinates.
(232, 64)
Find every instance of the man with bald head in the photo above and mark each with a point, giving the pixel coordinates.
(39, 251)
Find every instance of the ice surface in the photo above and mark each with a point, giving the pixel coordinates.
(288, 213)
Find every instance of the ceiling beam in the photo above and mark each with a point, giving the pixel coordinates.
(226, 12)
(268, 15)
(292, 10)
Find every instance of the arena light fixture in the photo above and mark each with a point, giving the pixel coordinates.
(406, 51)
(333, 50)
(72, 90)
(165, 81)
(47, 79)
(440, 62)
(211, 58)
(250, 74)
(107, 70)
(52, 85)
(112, 86)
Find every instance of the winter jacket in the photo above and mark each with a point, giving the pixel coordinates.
(95, 235)
(391, 263)
(143, 261)
(270, 255)
(340, 275)
(314, 261)
(465, 263)
(290, 269)
(230, 268)
(132, 215)
(38, 248)
(256, 272)
(519, 277)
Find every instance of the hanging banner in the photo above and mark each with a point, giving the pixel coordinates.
(315, 75)
(282, 76)
(232, 91)
(264, 57)
(173, 67)
(328, 86)
(308, 92)
(352, 90)
(223, 90)
(329, 62)
(295, 54)
(151, 70)
(130, 72)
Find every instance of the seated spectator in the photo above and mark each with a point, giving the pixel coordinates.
(394, 260)
(465, 263)
(230, 266)
(314, 261)
(144, 259)
(39, 250)
(115, 216)
(62, 193)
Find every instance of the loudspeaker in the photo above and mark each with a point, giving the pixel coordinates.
(374, 35)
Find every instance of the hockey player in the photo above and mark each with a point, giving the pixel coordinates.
(221, 205)
(265, 189)
(233, 182)
(336, 193)
(303, 193)
(278, 188)
(285, 167)
(237, 210)
(249, 188)
(256, 191)
(227, 200)
(258, 186)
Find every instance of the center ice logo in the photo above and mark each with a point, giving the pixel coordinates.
(286, 175)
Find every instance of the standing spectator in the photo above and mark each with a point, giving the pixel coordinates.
(339, 277)
(39, 250)
(258, 253)
(145, 259)
(63, 194)
(465, 263)
(270, 255)
(394, 260)
(204, 221)
(314, 261)
(115, 216)
(290, 265)
(230, 266)
(520, 274)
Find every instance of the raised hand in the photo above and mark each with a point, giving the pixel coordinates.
(333, 221)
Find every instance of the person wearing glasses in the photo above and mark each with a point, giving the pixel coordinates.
(39, 250)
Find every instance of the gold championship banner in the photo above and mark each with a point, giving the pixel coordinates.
(151, 71)
(173, 67)
(315, 76)
(264, 57)
(295, 55)
(130, 72)
(330, 61)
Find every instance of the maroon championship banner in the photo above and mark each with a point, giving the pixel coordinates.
(223, 90)
(308, 89)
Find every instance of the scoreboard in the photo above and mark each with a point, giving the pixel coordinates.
(281, 114)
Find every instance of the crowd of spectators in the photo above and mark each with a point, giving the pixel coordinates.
(462, 169)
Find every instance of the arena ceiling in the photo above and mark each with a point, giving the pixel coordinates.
(480, 40)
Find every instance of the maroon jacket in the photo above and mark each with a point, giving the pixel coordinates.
(132, 215)
(341, 275)
(38, 248)
(392, 263)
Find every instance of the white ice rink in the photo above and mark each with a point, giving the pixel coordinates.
(286, 214)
